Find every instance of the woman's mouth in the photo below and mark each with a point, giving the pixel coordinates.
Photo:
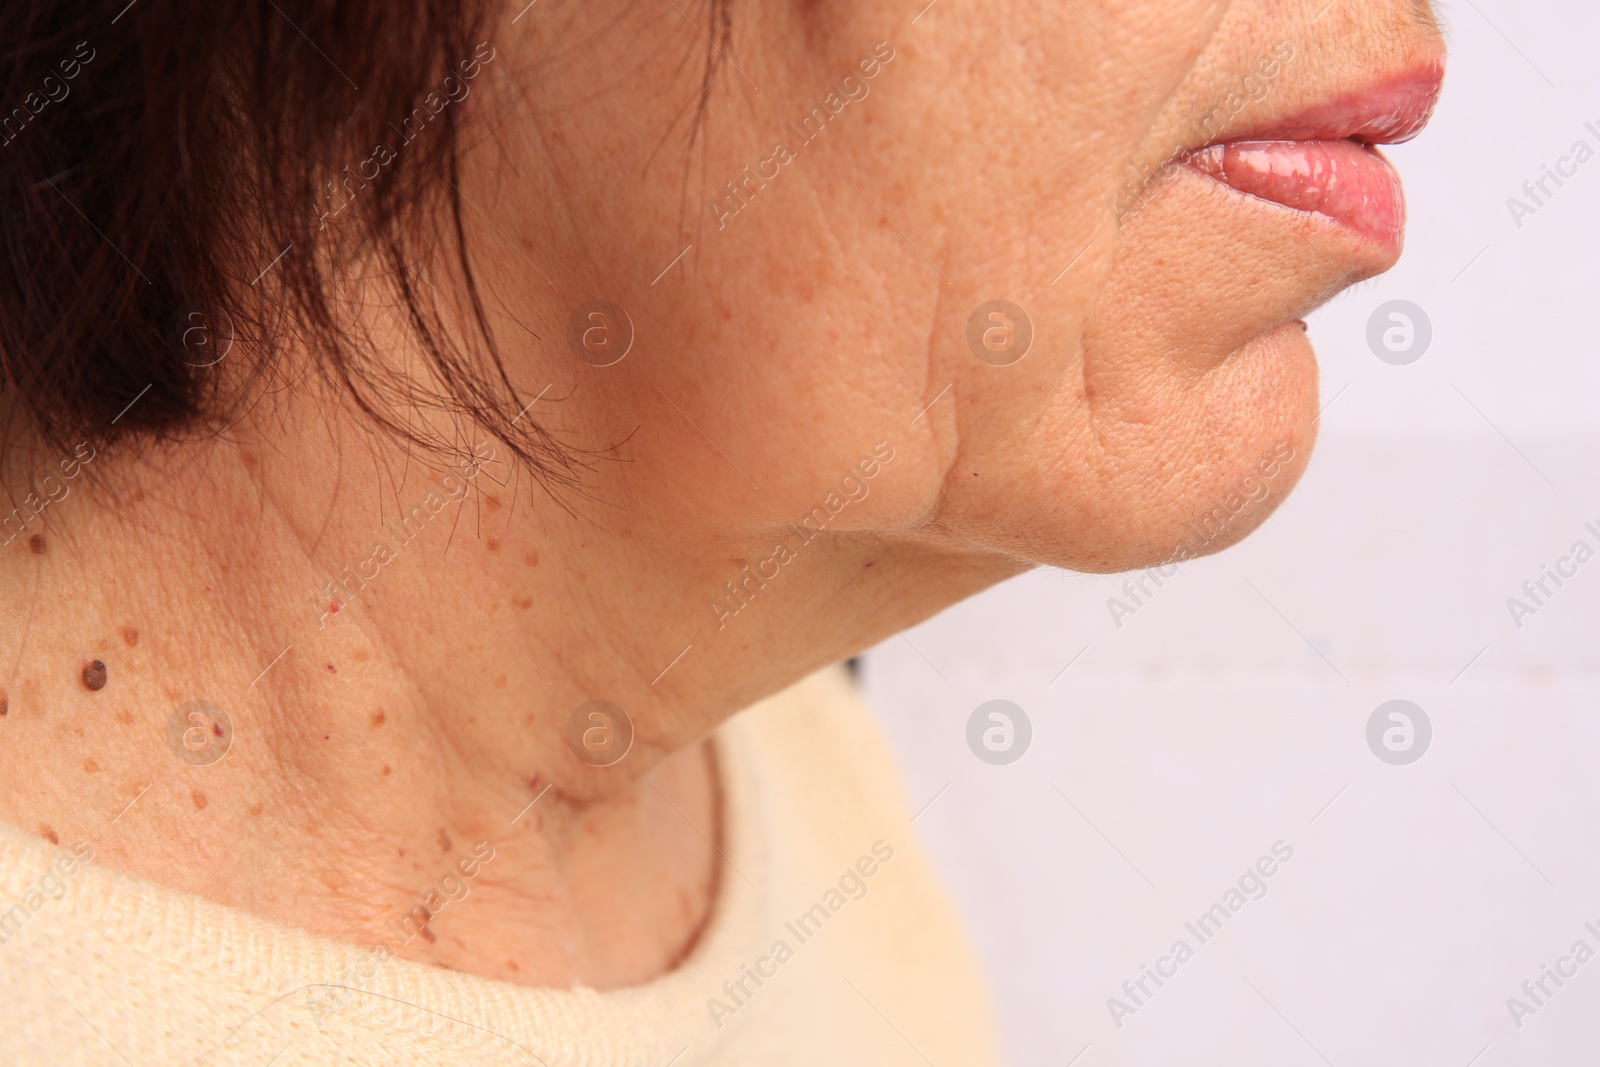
(1346, 181)
(1322, 161)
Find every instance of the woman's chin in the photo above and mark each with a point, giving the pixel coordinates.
(1179, 465)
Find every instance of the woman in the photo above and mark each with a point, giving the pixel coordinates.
(428, 430)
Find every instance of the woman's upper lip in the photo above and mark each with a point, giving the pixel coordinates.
(1387, 111)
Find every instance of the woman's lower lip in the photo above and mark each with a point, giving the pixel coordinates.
(1342, 180)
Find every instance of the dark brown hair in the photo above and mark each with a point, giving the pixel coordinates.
(165, 170)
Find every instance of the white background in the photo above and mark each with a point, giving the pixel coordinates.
(1230, 712)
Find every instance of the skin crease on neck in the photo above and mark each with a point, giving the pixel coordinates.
(374, 748)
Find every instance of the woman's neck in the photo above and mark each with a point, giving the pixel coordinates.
(393, 654)
(378, 760)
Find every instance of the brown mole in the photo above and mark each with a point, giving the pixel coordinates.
(36, 542)
(94, 675)
(5, 705)
(130, 636)
(49, 834)
(444, 841)
(199, 799)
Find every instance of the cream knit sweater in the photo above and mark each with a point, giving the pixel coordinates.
(830, 943)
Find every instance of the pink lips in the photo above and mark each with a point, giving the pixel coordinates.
(1320, 161)
(1343, 180)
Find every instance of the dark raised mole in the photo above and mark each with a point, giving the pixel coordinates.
(36, 542)
(48, 834)
(94, 675)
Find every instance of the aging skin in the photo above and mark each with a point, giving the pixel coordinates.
(991, 158)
